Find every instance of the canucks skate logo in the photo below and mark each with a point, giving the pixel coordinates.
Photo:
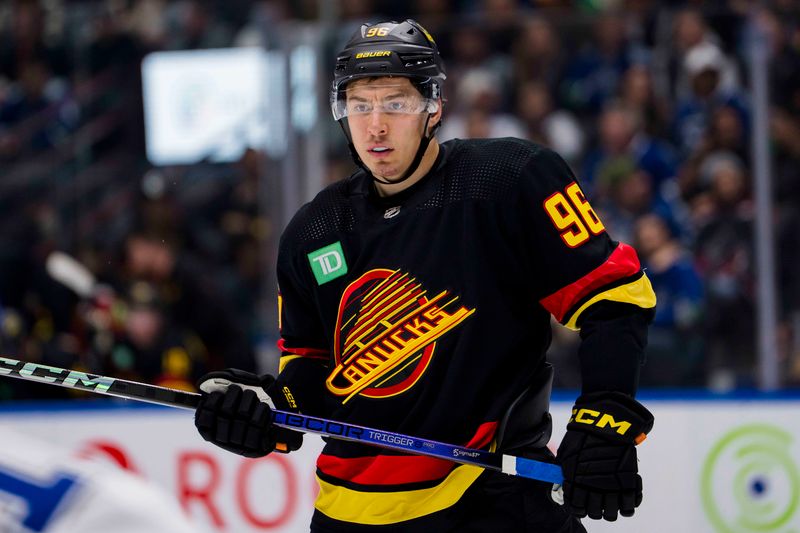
(386, 334)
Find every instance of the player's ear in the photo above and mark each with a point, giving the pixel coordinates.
(436, 117)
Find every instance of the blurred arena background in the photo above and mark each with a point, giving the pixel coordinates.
(163, 145)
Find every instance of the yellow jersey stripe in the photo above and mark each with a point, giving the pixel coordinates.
(381, 508)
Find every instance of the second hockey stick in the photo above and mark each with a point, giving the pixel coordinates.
(131, 390)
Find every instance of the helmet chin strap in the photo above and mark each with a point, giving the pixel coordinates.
(424, 142)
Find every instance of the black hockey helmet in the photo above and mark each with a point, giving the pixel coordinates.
(391, 49)
(402, 49)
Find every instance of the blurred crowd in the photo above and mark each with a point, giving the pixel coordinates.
(648, 101)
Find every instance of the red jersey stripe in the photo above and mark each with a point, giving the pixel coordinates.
(622, 262)
(305, 352)
(398, 469)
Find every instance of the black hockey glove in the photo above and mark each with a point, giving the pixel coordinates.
(235, 413)
(598, 455)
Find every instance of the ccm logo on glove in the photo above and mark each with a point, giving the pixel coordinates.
(602, 420)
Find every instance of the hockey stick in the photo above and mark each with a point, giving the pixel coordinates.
(68, 271)
(131, 390)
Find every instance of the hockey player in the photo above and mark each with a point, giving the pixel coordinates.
(45, 489)
(416, 297)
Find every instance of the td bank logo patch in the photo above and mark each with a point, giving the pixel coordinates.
(328, 263)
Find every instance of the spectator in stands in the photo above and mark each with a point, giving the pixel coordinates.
(621, 134)
(153, 347)
(247, 231)
(538, 55)
(637, 93)
(724, 255)
(480, 95)
(433, 14)
(785, 130)
(26, 42)
(626, 193)
(113, 57)
(674, 350)
(473, 52)
(146, 20)
(264, 17)
(692, 32)
(784, 71)
(112, 45)
(593, 76)
(191, 298)
(37, 114)
(786, 167)
(500, 18)
(544, 124)
(788, 254)
(195, 27)
(358, 9)
(705, 67)
(725, 134)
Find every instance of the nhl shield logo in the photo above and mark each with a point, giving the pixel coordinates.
(391, 212)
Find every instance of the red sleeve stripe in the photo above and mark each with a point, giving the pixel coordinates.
(398, 469)
(304, 352)
(622, 263)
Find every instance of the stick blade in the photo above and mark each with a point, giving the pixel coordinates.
(69, 272)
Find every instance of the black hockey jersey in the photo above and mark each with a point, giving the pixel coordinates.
(427, 312)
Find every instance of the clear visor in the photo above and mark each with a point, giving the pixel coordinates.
(363, 100)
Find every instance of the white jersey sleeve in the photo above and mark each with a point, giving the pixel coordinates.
(45, 489)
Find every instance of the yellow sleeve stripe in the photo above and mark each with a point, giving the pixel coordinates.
(638, 292)
(285, 360)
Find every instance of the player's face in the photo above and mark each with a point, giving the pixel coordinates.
(386, 120)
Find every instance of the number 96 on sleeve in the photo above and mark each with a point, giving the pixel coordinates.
(572, 215)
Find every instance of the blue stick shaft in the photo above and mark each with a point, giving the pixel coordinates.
(133, 390)
(509, 464)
